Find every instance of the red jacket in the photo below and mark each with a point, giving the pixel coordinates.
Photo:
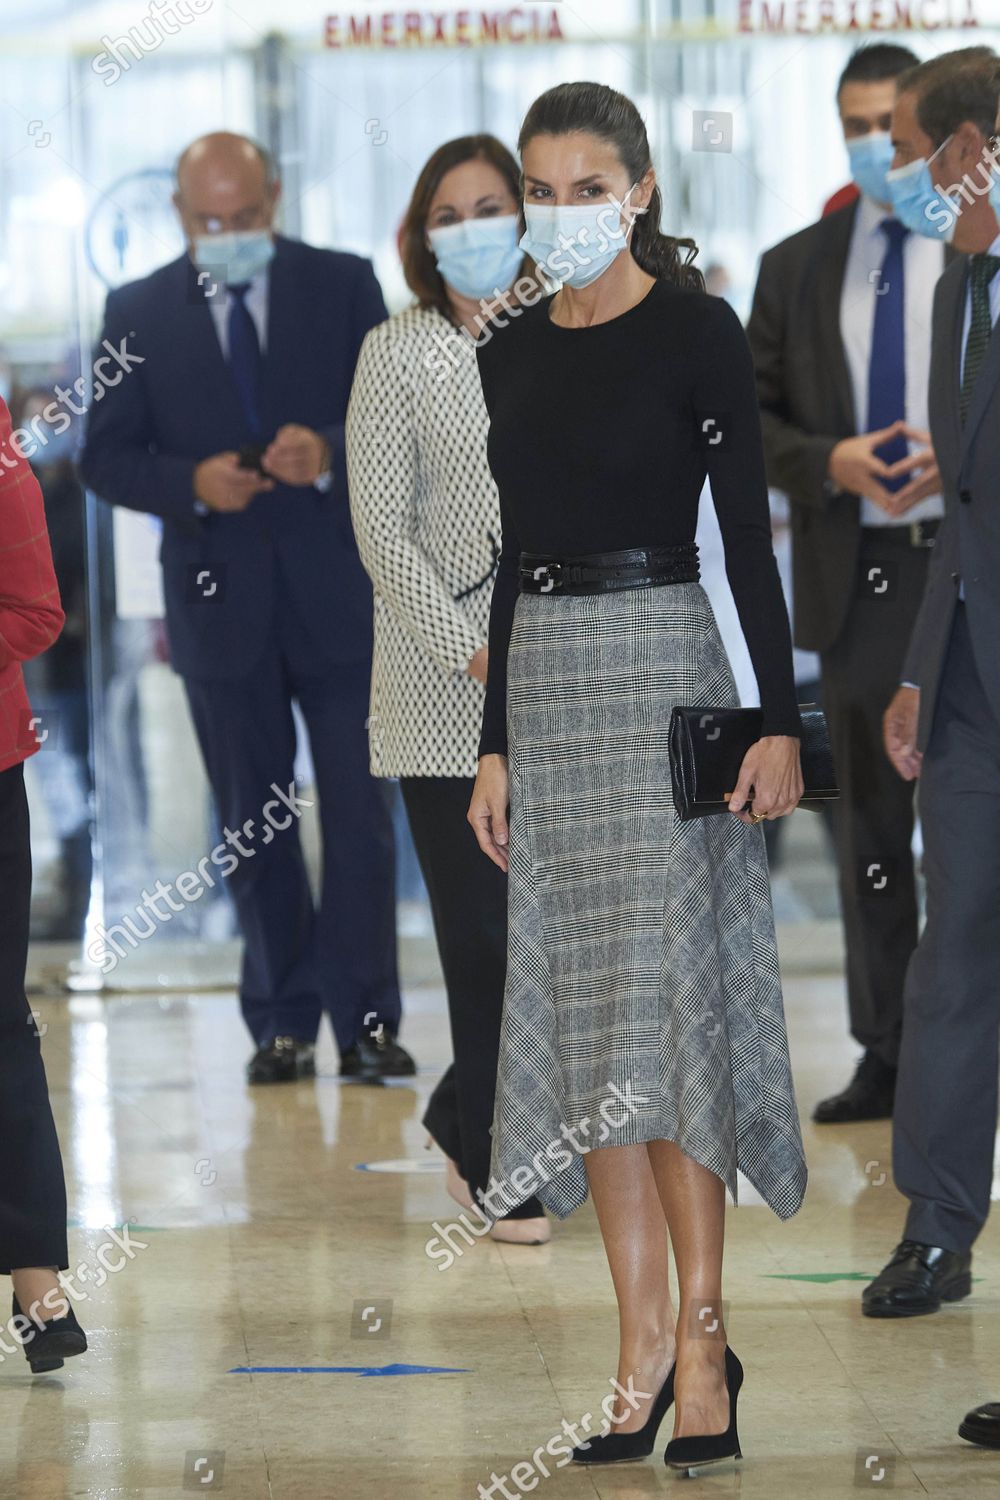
(30, 613)
(841, 198)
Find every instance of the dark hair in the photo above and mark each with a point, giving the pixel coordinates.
(602, 111)
(419, 266)
(876, 63)
(954, 88)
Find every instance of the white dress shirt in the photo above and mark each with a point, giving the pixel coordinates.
(923, 262)
(255, 302)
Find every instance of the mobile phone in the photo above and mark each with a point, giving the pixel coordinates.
(250, 457)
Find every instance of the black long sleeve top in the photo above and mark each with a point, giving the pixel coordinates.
(601, 439)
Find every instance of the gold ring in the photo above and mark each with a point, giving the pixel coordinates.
(757, 817)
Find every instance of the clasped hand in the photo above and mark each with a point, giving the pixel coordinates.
(296, 456)
(855, 466)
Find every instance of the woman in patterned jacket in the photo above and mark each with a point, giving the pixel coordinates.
(427, 520)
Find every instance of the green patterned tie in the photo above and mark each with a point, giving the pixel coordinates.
(982, 269)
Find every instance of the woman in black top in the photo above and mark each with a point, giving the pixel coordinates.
(643, 1051)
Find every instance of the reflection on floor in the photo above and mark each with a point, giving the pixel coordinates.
(255, 1244)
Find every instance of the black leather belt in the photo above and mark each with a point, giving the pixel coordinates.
(914, 534)
(608, 572)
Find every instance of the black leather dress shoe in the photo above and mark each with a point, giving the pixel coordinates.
(373, 1058)
(917, 1280)
(982, 1425)
(284, 1059)
(870, 1095)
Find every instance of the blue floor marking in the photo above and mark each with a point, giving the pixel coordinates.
(365, 1370)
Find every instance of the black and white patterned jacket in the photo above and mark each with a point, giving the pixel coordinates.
(427, 520)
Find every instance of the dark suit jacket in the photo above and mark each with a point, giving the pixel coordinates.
(967, 547)
(292, 551)
(807, 407)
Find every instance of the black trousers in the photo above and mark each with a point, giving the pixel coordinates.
(468, 896)
(32, 1189)
(873, 818)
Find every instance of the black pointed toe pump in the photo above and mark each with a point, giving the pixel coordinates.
(627, 1447)
(47, 1344)
(695, 1452)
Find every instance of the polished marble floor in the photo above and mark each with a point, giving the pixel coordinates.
(278, 1265)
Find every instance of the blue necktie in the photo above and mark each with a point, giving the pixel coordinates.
(887, 365)
(244, 354)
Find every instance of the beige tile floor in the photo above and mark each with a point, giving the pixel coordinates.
(262, 1245)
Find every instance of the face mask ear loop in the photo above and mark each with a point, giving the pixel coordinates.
(934, 184)
(626, 210)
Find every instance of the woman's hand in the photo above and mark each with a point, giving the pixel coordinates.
(488, 808)
(771, 775)
(478, 664)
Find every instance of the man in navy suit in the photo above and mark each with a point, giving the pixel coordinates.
(232, 430)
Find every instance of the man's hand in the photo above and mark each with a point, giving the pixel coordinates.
(488, 808)
(856, 467)
(899, 730)
(297, 455)
(478, 663)
(221, 484)
(770, 776)
(926, 475)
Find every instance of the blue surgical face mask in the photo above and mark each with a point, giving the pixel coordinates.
(235, 256)
(870, 157)
(576, 244)
(918, 204)
(478, 257)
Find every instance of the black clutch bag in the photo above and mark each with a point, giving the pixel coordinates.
(707, 747)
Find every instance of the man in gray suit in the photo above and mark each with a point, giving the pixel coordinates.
(944, 723)
(841, 339)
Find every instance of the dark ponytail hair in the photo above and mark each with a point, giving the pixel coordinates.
(598, 110)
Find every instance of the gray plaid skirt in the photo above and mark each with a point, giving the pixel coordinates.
(643, 997)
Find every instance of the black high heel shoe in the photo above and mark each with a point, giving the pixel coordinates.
(626, 1447)
(57, 1339)
(695, 1452)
